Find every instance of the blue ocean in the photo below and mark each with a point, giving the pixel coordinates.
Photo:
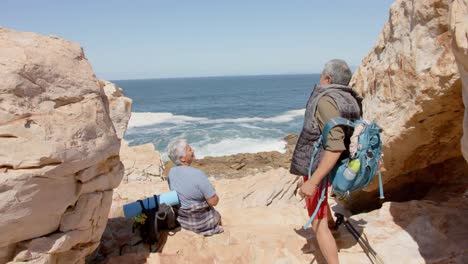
(218, 115)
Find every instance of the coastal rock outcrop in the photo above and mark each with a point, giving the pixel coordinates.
(412, 88)
(59, 152)
(120, 106)
(244, 164)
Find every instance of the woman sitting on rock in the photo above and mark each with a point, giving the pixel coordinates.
(196, 194)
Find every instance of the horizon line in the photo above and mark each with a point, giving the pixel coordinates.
(207, 76)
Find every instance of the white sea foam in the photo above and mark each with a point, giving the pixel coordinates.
(147, 119)
(232, 146)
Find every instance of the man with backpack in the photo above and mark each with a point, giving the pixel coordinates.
(330, 99)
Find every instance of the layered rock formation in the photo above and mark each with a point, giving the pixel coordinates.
(59, 151)
(412, 87)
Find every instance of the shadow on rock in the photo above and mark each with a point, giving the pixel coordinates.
(311, 246)
(437, 223)
(344, 239)
(435, 229)
(119, 244)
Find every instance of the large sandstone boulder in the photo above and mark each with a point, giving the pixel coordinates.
(120, 107)
(142, 163)
(412, 87)
(459, 28)
(59, 152)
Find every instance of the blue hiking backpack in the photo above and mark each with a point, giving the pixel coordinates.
(368, 152)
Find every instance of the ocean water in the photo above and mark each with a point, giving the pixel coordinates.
(218, 115)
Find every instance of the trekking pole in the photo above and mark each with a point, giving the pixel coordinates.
(370, 252)
(364, 244)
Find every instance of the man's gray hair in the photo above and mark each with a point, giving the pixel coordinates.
(338, 70)
(176, 149)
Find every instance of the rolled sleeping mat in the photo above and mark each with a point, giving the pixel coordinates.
(133, 209)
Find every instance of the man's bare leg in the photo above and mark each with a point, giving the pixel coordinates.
(325, 240)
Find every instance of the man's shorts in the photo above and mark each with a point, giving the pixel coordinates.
(311, 202)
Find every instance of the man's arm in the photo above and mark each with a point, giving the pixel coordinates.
(327, 163)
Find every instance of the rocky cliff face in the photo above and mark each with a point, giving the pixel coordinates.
(59, 151)
(459, 29)
(412, 87)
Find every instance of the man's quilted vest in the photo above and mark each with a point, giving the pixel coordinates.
(349, 106)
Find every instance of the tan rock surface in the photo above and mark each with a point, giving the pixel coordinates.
(259, 231)
(142, 163)
(459, 28)
(250, 206)
(58, 151)
(415, 232)
(412, 88)
(120, 106)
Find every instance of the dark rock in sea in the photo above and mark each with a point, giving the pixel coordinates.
(244, 164)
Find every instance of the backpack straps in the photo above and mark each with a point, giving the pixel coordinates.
(143, 208)
(148, 206)
(156, 202)
(312, 158)
(339, 121)
(381, 186)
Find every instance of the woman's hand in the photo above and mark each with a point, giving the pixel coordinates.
(308, 188)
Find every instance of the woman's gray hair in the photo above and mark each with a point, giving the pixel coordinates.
(176, 149)
(338, 70)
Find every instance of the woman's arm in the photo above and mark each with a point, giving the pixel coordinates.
(213, 201)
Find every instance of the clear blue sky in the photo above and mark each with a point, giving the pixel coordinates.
(154, 39)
